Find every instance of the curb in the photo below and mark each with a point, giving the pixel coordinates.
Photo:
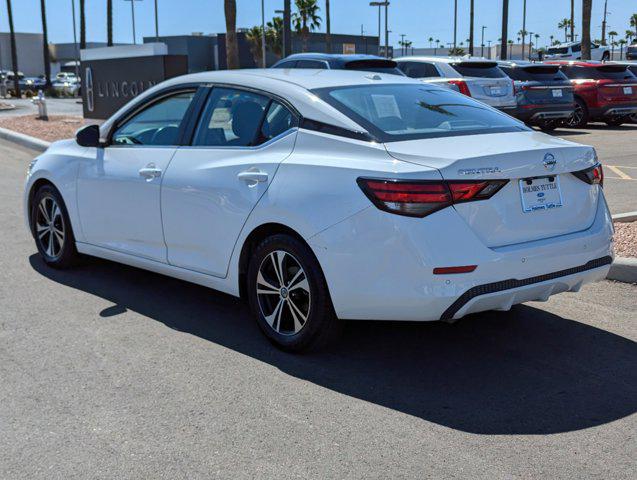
(625, 217)
(24, 140)
(623, 270)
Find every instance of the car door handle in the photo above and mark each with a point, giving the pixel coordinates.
(149, 172)
(252, 177)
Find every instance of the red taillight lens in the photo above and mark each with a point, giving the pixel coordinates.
(593, 175)
(419, 198)
(462, 86)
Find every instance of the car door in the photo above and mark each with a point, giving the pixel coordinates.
(118, 190)
(211, 187)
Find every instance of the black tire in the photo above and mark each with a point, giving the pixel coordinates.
(548, 126)
(580, 117)
(60, 254)
(615, 122)
(320, 325)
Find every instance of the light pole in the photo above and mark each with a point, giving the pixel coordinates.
(489, 47)
(482, 42)
(263, 31)
(156, 23)
(455, 23)
(381, 4)
(132, 8)
(77, 51)
(523, 26)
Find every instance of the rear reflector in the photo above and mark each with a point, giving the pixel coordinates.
(593, 175)
(419, 198)
(452, 270)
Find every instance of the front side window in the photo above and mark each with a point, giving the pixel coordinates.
(156, 125)
(407, 112)
(237, 118)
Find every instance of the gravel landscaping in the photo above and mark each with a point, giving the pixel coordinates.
(626, 239)
(58, 127)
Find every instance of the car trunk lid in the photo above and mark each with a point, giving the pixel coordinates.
(502, 220)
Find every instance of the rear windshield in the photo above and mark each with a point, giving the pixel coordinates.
(408, 111)
(378, 66)
(610, 72)
(479, 69)
(557, 50)
(535, 73)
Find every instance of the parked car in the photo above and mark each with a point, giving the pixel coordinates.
(573, 51)
(32, 84)
(544, 94)
(632, 66)
(66, 85)
(323, 194)
(475, 77)
(324, 61)
(631, 52)
(604, 92)
(9, 77)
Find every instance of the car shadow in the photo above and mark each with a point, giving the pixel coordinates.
(521, 372)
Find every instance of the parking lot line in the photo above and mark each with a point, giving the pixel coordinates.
(621, 174)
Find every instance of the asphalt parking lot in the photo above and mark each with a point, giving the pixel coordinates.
(111, 372)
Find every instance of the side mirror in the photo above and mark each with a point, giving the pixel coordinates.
(88, 136)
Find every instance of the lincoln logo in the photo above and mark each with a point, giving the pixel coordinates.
(549, 161)
(89, 89)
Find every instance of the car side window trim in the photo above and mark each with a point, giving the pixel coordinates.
(137, 109)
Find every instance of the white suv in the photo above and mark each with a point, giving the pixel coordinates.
(479, 78)
(573, 51)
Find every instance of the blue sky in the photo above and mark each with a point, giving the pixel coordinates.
(418, 19)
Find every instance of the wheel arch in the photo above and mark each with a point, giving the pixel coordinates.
(39, 183)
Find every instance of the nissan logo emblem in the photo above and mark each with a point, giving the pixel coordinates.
(549, 161)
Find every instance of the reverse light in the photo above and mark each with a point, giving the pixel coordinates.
(419, 198)
(461, 86)
(593, 175)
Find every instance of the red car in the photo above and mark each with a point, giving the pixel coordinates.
(604, 92)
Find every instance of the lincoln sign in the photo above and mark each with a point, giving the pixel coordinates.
(109, 84)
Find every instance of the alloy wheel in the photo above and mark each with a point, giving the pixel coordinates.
(283, 293)
(577, 117)
(49, 227)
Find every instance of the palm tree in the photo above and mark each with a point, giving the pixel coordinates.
(437, 47)
(622, 42)
(14, 51)
(306, 19)
(633, 22)
(109, 23)
(505, 26)
(572, 21)
(328, 30)
(565, 23)
(254, 36)
(587, 6)
(629, 35)
(471, 17)
(232, 49)
(45, 46)
(274, 36)
(612, 34)
(83, 25)
(431, 39)
(551, 37)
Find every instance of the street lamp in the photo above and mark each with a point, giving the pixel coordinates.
(77, 51)
(482, 42)
(132, 8)
(386, 5)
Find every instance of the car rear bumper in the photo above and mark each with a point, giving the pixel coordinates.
(379, 266)
(541, 113)
(614, 110)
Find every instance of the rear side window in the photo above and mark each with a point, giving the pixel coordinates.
(231, 118)
(557, 50)
(478, 69)
(278, 120)
(157, 125)
(419, 69)
(290, 64)
(311, 64)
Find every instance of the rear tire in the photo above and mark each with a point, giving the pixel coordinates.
(580, 116)
(288, 295)
(615, 122)
(51, 228)
(548, 126)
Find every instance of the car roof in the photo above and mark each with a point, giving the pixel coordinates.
(332, 56)
(424, 58)
(291, 84)
(576, 63)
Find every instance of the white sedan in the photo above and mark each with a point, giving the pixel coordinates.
(326, 195)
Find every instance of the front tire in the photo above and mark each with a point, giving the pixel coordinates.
(288, 295)
(51, 228)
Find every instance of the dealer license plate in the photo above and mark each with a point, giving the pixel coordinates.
(540, 193)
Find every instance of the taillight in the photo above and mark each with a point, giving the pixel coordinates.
(461, 85)
(593, 175)
(419, 198)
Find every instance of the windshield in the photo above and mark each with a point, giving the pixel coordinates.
(378, 66)
(535, 73)
(609, 72)
(478, 69)
(409, 111)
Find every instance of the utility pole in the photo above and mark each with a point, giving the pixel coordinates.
(523, 26)
(572, 20)
(482, 42)
(505, 26)
(77, 51)
(287, 31)
(604, 22)
(263, 33)
(471, 13)
(386, 30)
(156, 23)
(455, 23)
